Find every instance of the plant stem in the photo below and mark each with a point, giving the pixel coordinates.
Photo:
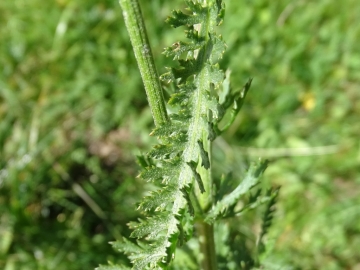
(206, 231)
(136, 28)
(207, 245)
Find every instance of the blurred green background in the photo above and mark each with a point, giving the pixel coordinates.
(73, 117)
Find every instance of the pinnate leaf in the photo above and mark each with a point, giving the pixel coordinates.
(251, 178)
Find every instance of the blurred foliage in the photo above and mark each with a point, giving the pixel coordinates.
(74, 115)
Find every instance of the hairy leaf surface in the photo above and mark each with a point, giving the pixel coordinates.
(182, 148)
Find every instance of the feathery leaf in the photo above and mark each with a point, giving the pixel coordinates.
(251, 178)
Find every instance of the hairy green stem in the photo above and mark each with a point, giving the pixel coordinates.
(142, 50)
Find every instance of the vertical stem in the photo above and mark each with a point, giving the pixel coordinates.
(204, 230)
(207, 245)
(142, 50)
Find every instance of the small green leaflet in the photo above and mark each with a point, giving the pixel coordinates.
(251, 178)
(193, 165)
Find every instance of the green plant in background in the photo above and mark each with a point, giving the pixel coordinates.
(55, 98)
(180, 166)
